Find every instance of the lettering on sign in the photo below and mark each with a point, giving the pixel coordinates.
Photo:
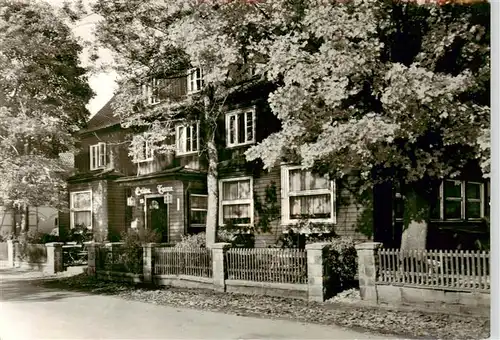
(142, 191)
(167, 199)
(162, 189)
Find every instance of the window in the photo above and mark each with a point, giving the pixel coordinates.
(187, 139)
(97, 156)
(306, 195)
(195, 80)
(198, 213)
(81, 209)
(236, 201)
(240, 128)
(461, 200)
(152, 91)
(144, 152)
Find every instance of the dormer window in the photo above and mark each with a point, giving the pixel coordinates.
(240, 127)
(152, 91)
(195, 81)
(98, 156)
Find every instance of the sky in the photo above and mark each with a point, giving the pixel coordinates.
(103, 83)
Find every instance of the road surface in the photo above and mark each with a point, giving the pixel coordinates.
(31, 312)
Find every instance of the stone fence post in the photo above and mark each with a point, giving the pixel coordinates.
(54, 257)
(367, 270)
(218, 266)
(148, 262)
(92, 248)
(11, 253)
(315, 271)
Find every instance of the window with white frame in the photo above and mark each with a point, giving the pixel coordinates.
(152, 91)
(236, 201)
(195, 80)
(81, 209)
(187, 139)
(240, 127)
(461, 200)
(97, 156)
(144, 151)
(198, 215)
(306, 195)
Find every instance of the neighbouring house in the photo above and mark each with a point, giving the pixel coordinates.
(114, 191)
(41, 219)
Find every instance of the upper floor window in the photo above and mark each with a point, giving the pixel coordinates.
(240, 127)
(306, 195)
(187, 139)
(81, 209)
(236, 201)
(144, 149)
(152, 91)
(97, 156)
(460, 200)
(195, 80)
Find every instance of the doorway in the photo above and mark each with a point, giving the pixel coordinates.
(157, 216)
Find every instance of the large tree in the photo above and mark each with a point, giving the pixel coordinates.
(392, 90)
(43, 92)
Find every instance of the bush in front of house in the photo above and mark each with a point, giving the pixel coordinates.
(199, 240)
(340, 264)
(131, 251)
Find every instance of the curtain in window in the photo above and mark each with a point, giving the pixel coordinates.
(237, 211)
(82, 218)
(236, 190)
(311, 206)
(300, 180)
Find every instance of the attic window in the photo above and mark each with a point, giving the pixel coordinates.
(98, 156)
(152, 91)
(195, 80)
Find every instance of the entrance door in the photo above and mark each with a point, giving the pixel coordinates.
(156, 214)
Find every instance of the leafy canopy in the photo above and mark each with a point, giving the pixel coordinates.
(43, 92)
(395, 90)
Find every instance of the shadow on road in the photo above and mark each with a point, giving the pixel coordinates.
(28, 288)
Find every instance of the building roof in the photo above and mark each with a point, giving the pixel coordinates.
(103, 118)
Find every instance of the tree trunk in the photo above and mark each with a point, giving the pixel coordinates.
(14, 222)
(213, 194)
(417, 212)
(26, 219)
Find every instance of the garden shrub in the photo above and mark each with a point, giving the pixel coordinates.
(131, 251)
(340, 265)
(29, 249)
(199, 240)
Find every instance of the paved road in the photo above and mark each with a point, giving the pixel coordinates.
(30, 312)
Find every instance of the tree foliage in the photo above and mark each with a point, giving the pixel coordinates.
(394, 90)
(43, 92)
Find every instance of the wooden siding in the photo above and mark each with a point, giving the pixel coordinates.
(117, 205)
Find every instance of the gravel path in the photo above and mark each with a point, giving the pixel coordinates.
(406, 324)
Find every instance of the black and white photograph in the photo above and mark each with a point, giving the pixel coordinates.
(249, 169)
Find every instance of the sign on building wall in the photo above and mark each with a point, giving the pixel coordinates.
(160, 189)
